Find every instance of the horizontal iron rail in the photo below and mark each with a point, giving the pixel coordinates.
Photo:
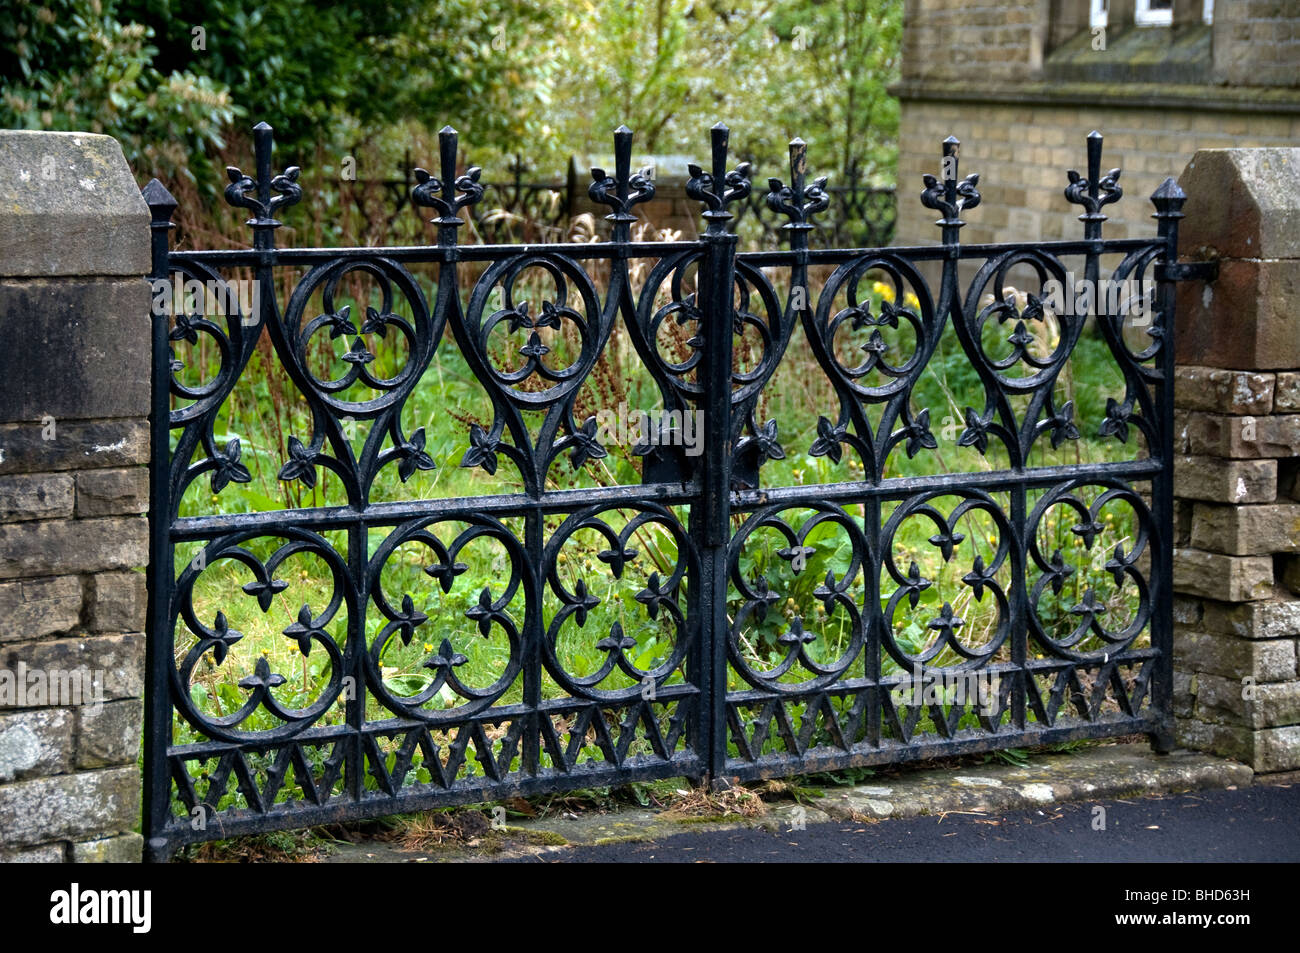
(561, 501)
(619, 250)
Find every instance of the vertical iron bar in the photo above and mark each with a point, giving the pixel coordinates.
(1168, 200)
(717, 273)
(158, 637)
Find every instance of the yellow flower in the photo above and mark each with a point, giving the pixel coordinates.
(912, 301)
(428, 646)
(885, 291)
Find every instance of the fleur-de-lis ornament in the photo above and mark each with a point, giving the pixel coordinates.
(450, 193)
(254, 194)
(718, 188)
(624, 188)
(951, 196)
(799, 201)
(1095, 191)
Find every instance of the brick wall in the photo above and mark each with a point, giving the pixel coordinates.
(1019, 83)
(1022, 152)
(956, 39)
(74, 444)
(1237, 612)
(1257, 42)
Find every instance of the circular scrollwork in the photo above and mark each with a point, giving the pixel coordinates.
(572, 304)
(204, 294)
(1056, 573)
(487, 613)
(981, 579)
(818, 543)
(757, 319)
(660, 599)
(311, 628)
(855, 321)
(420, 334)
(1005, 308)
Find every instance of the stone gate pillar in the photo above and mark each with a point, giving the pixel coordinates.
(1237, 483)
(74, 444)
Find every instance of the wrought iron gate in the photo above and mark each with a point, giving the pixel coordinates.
(890, 582)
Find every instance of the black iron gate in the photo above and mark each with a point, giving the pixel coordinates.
(957, 539)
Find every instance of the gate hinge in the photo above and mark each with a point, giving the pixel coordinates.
(1187, 271)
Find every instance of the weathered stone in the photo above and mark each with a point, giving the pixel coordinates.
(34, 608)
(1270, 660)
(1189, 612)
(66, 546)
(1286, 394)
(76, 444)
(1225, 481)
(1266, 619)
(92, 341)
(1240, 203)
(110, 735)
(1226, 578)
(1269, 749)
(45, 854)
(117, 602)
(1235, 701)
(1214, 435)
(1247, 530)
(1181, 443)
(1182, 523)
(1113, 770)
(71, 206)
(1184, 693)
(1244, 319)
(112, 492)
(123, 849)
(35, 743)
(1228, 741)
(36, 496)
(1223, 391)
(69, 806)
(1290, 575)
(117, 659)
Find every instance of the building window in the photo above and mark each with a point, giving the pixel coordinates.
(1098, 14)
(1147, 12)
(1154, 12)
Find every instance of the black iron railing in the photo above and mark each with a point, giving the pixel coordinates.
(965, 546)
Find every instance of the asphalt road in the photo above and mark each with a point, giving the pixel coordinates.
(1259, 823)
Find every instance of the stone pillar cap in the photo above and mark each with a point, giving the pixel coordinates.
(1241, 203)
(69, 205)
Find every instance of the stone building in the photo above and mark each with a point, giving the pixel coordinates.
(1021, 82)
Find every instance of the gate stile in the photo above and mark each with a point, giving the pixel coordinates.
(709, 711)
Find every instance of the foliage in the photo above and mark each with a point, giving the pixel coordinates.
(178, 83)
(671, 68)
(78, 65)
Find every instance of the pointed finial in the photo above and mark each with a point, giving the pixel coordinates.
(949, 195)
(157, 197)
(718, 188)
